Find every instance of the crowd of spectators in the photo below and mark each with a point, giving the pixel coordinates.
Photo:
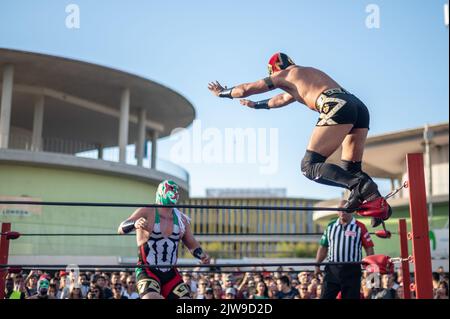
(281, 284)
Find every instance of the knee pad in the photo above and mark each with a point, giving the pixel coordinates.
(309, 160)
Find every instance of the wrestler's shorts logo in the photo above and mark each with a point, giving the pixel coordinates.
(146, 285)
(181, 290)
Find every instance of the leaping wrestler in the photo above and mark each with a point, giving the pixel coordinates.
(158, 232)
(343, 120)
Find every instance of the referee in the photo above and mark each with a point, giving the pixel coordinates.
(342, 241)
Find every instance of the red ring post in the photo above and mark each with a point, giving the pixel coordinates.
(419, 226)
(4, 252)
(404, 253)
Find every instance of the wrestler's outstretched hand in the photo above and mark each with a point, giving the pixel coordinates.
(216, 88)
(206, 259)
(141, 223)
(247, 103)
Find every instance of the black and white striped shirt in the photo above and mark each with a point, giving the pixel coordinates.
(345, 242)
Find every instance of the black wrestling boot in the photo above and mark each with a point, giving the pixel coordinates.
(365, 190)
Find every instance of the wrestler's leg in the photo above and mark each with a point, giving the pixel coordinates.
(353, 150)
(324, 141)
(152, 295)
(148, 284)
(353, 145)
(351, 159)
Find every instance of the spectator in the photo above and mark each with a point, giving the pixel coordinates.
(400, 291)
(273, 289)
(75, 293)
(442, 291)
(64, 285)
(285, 291)
(10, 293)
(52, 290)
(218, 291)
(229, 282)
(55, 282)
(387, 291)
(123, 278)
(19, 285)
(230, 293)
(261, 291)
(130, 291)
(115, 279)
(441, 272)
(365, 290)
(251, 288)
(101, 282)
(202, 285)
(303, 278)
(304, 293)
(258, 278)
(312, 290)
(218, 277)
(209, 294)
(31, 283)
(187, 279)
(117, 291)
(95, 292)
(436, 280)
(83, 283)
(318, 291)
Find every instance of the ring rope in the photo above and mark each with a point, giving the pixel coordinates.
(226, 265)
(241, 207)
(196, 234)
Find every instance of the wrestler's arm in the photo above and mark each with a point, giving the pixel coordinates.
(194, 246)
(277, 101)
(137, 220)
(320, 257)
(247, 89)
(243, 90)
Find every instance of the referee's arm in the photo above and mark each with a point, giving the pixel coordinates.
(369, 251)
(367, 242)
(322, 251)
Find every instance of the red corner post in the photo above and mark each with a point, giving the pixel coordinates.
(4, 252)
(403, 234)
(419, 226)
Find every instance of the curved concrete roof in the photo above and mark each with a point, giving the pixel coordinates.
(91, 82)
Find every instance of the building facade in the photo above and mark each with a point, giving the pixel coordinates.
(72, 131)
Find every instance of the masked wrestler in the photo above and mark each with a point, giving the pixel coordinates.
(158, 233)
(343, 120)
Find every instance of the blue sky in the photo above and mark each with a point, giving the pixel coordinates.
(399, 70)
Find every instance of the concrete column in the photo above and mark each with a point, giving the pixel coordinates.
(100, 151)
(38, 122)
(154, 149)
(6, 103)
(392, 184)
(123, 124)
(141, 137)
